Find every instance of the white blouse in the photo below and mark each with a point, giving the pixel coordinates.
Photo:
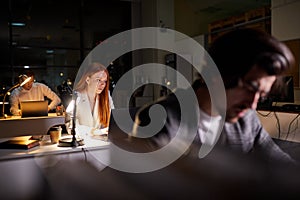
(86, 120)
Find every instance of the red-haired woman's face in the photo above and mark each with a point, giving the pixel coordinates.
(97, 82)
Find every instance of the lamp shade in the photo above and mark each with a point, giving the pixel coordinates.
(24, 79)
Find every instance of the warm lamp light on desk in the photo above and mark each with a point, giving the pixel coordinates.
(25, 79)
(72, 142)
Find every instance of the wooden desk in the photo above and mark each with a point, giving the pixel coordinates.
(94, 151)
(26, 174)
(17, 126)
(47, 148)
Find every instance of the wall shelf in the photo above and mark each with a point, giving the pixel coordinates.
(258, 18)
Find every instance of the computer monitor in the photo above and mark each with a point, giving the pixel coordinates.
(281, 92)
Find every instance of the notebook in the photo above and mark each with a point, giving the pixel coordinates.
(19, 144)
(34, 108)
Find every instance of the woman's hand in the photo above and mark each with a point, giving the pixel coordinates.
(103, 131)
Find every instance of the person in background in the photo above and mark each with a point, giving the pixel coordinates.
(32, 91)
(93, 101)
(249, 61)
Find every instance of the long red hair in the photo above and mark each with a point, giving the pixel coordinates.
(80, 86)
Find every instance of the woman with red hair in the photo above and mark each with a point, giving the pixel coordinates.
(94, 102)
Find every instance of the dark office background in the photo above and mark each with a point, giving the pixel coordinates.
(55, 36)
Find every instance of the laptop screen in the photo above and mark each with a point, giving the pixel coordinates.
(34, 108)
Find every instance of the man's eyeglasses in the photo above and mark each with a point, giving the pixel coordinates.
(253, 87)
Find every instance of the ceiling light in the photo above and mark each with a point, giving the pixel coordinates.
(18, 24)
(49, 51)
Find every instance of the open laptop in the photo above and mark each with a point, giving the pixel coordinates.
(34, 108)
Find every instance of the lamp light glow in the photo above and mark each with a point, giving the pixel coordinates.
(72, 142)
(25, 79)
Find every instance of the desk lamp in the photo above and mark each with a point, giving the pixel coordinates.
(25, 79)
(72, 142)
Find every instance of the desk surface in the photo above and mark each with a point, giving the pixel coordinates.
(47, 148)
(17, 126)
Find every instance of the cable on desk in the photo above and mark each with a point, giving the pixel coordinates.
(264, 115)
(84, 152)
(277, 120)
(294, 131)
(278, 125)
(290, 124)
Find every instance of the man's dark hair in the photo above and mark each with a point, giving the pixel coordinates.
(28, 72)
(237, 51)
